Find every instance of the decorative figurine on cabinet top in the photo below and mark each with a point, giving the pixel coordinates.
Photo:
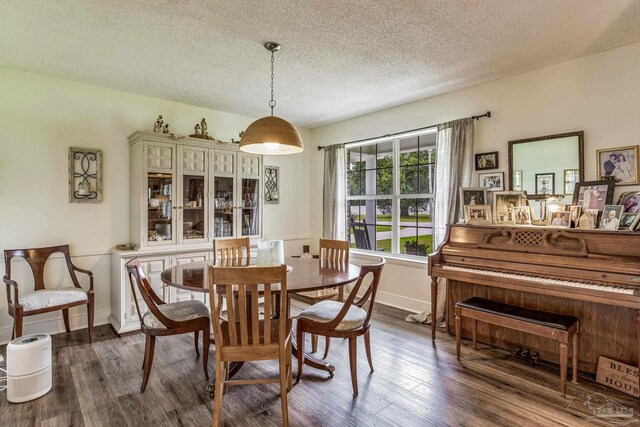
(157, 127)
(200, 131)
(165, 129)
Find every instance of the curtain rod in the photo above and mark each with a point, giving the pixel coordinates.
(487, 115)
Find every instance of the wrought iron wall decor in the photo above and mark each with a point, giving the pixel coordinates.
(85, 175)
(272, 184)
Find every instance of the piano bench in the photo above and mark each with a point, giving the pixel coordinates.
(550, 325)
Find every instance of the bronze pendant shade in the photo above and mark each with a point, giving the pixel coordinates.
(271, 135)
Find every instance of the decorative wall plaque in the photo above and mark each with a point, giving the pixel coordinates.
(272, 184)
(85, 175)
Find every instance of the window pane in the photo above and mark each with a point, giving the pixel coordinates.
(426, 179)
(384, 181)
(409, 151)
(355, 183)
(370, 224)
(384, 155)
(409, 179)
(416, 226)
(354, 162)
(427, 149)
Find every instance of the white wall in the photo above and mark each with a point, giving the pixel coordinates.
(599, 94)
(40, 117)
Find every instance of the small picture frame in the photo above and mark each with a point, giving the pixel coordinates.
(619, 164)
(517, 180)
(522, 215)
(545, 183)
(571, 176)
(593, 194)
(629, 221)
(492, 181)
(576, 211)
(473, 196)
(631, 201)
(611, 217)
(504, 203)
(477, 214)
(561, 219)
(486, 161)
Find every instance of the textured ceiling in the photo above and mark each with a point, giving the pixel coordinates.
(339, 59)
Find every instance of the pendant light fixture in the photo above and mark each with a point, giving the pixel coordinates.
(271, 135)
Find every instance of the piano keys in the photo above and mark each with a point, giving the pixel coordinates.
(590, 274)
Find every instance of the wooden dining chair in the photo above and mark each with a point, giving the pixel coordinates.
(232, 252)
(164, 319)
(343, 320)
(333, 254)
(246, 335)
(45, 299)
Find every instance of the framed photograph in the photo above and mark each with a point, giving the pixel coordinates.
(593, 194)
(504, 204)
(545, 183)
(571, 176)
(522, 215)
(629, 221)
(517, 181)
(272, 184)
(473, 196)
(576, 211)
(486, 161)
(631, 201)
(611, 217)
(559, 219)
(477, 214)
(492, 181)
(621, 164)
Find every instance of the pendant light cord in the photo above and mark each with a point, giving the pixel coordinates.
(272, 103)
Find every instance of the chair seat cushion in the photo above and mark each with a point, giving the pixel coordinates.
(46, 298)
(542, 318)
(326, 311)
(176, 311)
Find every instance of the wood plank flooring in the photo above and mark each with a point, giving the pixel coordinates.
(414, 384)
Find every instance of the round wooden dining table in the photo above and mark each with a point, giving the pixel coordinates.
(304, 274)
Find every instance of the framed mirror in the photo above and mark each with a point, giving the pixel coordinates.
(547, 165)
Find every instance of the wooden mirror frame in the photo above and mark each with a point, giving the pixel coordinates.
(579, 134)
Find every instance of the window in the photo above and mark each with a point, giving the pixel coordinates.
(390, 186)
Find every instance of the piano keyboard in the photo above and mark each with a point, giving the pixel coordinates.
(544, 280)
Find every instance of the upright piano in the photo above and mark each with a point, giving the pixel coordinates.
(590, 274)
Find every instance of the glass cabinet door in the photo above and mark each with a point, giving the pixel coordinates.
(223, 205)
(250, 205)
(193, 207)
(160, 207)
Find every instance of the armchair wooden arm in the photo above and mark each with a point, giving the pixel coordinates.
(11, 283)
(87, 272)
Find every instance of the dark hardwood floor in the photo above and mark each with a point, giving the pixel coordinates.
(415, 384)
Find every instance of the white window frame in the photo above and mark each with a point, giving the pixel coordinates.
(395, 197)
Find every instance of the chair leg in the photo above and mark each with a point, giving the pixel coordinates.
(367, 347)
(196, 334)
(353, 363)
(205, 349)
(17, 325)
(90, 310)
(148, 360)
(65, 317)
(458, 335)
(327, 343)
(314, 343)
(289, 367)
(284, 388)
(300, 340)
(218, 393)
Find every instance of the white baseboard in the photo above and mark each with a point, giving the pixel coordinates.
(32, 325)
(404, 303)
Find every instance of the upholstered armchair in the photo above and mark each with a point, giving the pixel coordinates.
(46, 299)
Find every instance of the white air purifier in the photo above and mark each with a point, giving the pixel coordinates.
(28, 367)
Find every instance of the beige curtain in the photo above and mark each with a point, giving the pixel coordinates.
(454, 167)
(334, 208)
